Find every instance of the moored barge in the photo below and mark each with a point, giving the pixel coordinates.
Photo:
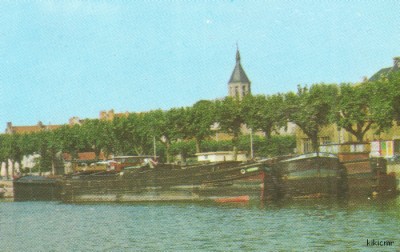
(165, 182)
(309, 175)
(36, 188)
(368, 177)
(316, 175)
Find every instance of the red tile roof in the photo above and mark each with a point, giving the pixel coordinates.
(84, 156)
(31, 129)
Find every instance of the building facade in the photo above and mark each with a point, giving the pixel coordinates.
(11, 129)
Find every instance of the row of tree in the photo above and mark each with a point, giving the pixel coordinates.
(356, 108)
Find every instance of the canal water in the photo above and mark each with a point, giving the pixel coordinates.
(299, 225)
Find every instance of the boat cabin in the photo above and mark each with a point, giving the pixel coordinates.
(121, 162)
(221, 156)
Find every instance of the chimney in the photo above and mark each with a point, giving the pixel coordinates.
(9, 128)
(103, 115)
(74, 120)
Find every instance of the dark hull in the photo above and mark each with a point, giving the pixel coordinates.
(368, 177)
(314, 176)
(165, 183)
(307, 176)
(33, 188)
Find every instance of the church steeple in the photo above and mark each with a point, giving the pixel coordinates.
(239, 84)
(237, 55)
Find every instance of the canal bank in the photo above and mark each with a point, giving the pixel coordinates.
(394, 167)
(7, 186)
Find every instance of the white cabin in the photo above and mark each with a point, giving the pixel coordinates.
(220, 156)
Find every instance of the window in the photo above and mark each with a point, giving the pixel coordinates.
(325, 140)
(307, 145)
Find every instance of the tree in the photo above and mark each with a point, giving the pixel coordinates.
(363, 106)
(154, 121)
(230, 118)
(5, 149)
(353, 110)
(311, 109)
(264, 113)
(392, 95)
(71, 139)
(10, 149)
(108, 138)
(94, 135)
(166, 126)
(122, 132)
(141, 137)
(42, 143)
(175, 128)
(54, 149)
(201, 116)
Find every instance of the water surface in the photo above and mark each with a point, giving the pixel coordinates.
(300, 225)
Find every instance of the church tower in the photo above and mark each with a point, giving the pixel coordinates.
(239, 84)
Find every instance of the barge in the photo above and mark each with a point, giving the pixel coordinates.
(369, 177)
(313, 175)
(36, 188)
(307, 176)
(316, 175)
(165, 182)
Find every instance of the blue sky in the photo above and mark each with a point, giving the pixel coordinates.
(60, 59)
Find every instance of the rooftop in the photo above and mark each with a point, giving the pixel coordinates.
(238, 74)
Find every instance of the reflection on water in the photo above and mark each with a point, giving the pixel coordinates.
(296, 225)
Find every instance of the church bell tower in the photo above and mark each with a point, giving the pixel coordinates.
(239, 84)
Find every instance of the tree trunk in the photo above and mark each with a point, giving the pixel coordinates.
(235, 153)
(360, 137)
(53, 167)
(167, 147)
(7, 169)
(198, 150)
(315, 144)
(267, 133)
(235, 141)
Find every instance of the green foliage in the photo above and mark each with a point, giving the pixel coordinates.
(230, 117)
(186, 130)
(353, 111)
(211, 146)
(269, 147)
(262, 147)
(312, 108)
(71, 139)
(95, 135)
(200, 118)
(393, 95)
(130, 135)
(264, 113)
(183, 148)
(364, 106)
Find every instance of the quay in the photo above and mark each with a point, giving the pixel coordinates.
(393, 167)
(8, 187)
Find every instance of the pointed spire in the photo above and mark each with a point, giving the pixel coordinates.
(238, 74)
(237, 53)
